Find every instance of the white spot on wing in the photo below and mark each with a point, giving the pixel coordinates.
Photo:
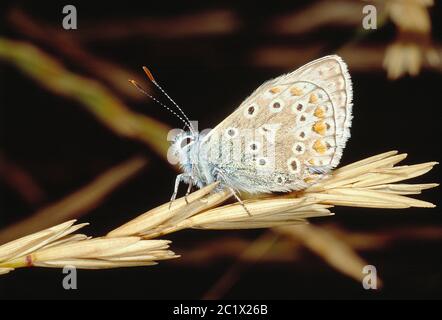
(298, 148)
(293, 165)
(254, 146)
(231, 132)
(276, 105)
(251, 111)
(280, 179)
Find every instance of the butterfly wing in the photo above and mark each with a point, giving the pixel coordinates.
(288, 133)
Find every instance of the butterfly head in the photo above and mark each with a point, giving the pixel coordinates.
(182, 147)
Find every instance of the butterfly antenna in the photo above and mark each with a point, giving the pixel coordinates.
(143, 91)
(152, 79)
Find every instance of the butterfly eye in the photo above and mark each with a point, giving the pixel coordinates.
(185, 142)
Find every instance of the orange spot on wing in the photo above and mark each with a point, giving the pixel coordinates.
(275, 90)
(319, 112)
(319, 127)
(319, 147)
(308, 179)
(313, 98)
(295, 91)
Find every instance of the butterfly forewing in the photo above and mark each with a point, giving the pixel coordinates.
(288, 133)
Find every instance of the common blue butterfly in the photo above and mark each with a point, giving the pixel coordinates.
(288, 134)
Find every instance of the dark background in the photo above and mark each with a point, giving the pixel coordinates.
(63, 147)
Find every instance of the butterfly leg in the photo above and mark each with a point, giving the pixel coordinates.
(220, 175)
(189, 188)
(175, 189)
(190, 181)
(239, 200)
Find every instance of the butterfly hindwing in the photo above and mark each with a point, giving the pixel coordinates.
(288, 133)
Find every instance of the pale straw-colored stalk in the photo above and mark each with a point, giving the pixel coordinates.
(367, 183)
(59, 246)
(370, 183)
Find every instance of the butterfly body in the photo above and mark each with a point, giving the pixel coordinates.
(288, 134)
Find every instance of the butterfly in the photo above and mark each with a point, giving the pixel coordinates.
(286, 136)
